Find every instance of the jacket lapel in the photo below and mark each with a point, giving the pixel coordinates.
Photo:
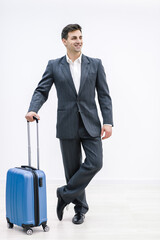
(84, 73)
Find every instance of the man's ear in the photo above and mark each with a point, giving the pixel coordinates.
(64, 41)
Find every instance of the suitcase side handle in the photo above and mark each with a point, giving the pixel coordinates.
(29, 143)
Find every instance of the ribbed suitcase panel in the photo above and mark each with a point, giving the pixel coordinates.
(20, 197)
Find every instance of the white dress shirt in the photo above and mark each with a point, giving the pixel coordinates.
(75, 68)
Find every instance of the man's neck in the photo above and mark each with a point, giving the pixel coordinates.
(73, 56)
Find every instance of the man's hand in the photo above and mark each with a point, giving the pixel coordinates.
(29, 116)
(108, 131)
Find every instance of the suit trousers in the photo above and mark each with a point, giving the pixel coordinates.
(78, 174)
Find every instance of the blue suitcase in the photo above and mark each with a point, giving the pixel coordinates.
(26, 203)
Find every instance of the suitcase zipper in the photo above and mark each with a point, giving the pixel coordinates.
(36, 198)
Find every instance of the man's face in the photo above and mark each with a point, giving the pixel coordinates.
(74, 41)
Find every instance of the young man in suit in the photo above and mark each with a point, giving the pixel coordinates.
(76, 77)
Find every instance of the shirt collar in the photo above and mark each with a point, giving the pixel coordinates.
(77, 60)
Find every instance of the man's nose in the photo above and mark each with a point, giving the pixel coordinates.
(79, 41)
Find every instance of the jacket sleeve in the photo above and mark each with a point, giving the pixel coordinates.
(40, 94)
(104, 98)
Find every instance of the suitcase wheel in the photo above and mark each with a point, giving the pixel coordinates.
(29, 231)
(46, 228)
(10, 225)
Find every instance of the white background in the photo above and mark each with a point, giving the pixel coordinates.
(126, 36)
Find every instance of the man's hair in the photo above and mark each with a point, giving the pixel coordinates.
(70, 28)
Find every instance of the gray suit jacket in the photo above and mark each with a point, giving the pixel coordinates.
(69, 102)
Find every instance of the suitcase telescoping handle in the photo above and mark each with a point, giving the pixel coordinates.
(29, 143)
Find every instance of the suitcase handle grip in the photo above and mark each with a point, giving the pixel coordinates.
(35, 118)
(24, 166)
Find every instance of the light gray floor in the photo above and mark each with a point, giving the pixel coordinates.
(117, 212)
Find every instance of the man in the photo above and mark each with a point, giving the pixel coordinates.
(76, 77)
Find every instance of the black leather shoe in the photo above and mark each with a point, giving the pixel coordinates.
(61, 204)
(78, 218)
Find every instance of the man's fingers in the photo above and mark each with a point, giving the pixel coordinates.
(29, 116)
(107, 135)
(37, 116)
(102, 132)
